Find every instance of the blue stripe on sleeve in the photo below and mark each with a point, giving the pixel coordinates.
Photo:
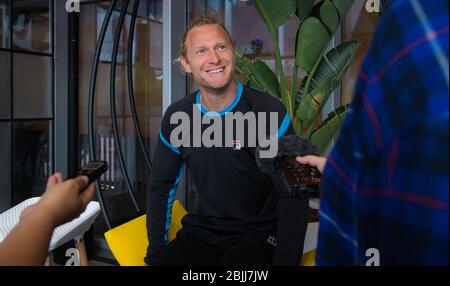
(284, 125)
(170, 202)
(170, 146)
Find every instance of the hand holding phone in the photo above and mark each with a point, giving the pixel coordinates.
(93, 170)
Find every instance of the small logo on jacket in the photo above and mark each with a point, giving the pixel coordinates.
(272, 240)
(236, 144)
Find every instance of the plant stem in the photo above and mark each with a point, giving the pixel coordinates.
(310, 130)
(284, 93)
(297, 125)
(294, 85)
(306, 91)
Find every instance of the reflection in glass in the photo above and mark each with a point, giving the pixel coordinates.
(147, 79)
(5, 166)
(31, 159)
(4, 24)
(32, 86)
(155, 10)
(5, 83)
(31, 28)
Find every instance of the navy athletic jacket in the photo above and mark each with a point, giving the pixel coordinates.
(234, 195)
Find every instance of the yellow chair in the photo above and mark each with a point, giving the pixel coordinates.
(310, 245)
(309, 258)
(128, 242)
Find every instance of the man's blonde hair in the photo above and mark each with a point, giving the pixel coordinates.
(201, 21)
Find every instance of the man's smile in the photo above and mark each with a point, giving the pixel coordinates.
(216, 70)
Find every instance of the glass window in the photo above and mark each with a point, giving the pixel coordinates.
(31, 25)
(32, 86)
(249, 31)
(31, 158)
(147, 82)
(359, 25)
(5, 83)
(5, 166)
(4, 24)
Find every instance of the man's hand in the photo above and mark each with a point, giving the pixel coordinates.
(315, 161)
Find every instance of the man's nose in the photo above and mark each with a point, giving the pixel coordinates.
(214, 57)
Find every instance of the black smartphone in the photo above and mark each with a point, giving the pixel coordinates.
(93, 170)
(302, 180)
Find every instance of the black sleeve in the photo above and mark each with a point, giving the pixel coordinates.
(292, 221)
(291, 229)
(165, 175)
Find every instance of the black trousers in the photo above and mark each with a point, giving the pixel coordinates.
(199, 247)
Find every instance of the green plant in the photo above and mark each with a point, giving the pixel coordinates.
(324, 69)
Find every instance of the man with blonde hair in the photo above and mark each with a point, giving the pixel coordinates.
(242, 217)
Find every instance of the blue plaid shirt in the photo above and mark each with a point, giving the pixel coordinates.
(386, 184)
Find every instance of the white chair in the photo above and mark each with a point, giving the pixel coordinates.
(74, 229)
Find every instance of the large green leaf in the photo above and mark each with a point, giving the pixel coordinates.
(327, 77)
(304, 8)
(343, 6)
(312, 40)
(316, 32)
(276, 12)
(329, 16)
(265, 77)
(313, 102)
(323, 136)
(335, 63)
(252, 82)
(242, 64)
(257, 74)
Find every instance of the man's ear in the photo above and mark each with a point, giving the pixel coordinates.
(186, 66)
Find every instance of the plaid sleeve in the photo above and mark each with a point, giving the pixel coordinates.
(386, 180)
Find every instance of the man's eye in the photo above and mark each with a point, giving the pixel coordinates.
(200, 52)
(222, 47)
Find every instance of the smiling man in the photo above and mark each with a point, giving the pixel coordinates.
(242, 217)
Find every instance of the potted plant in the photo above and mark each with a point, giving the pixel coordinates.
(324, 68)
